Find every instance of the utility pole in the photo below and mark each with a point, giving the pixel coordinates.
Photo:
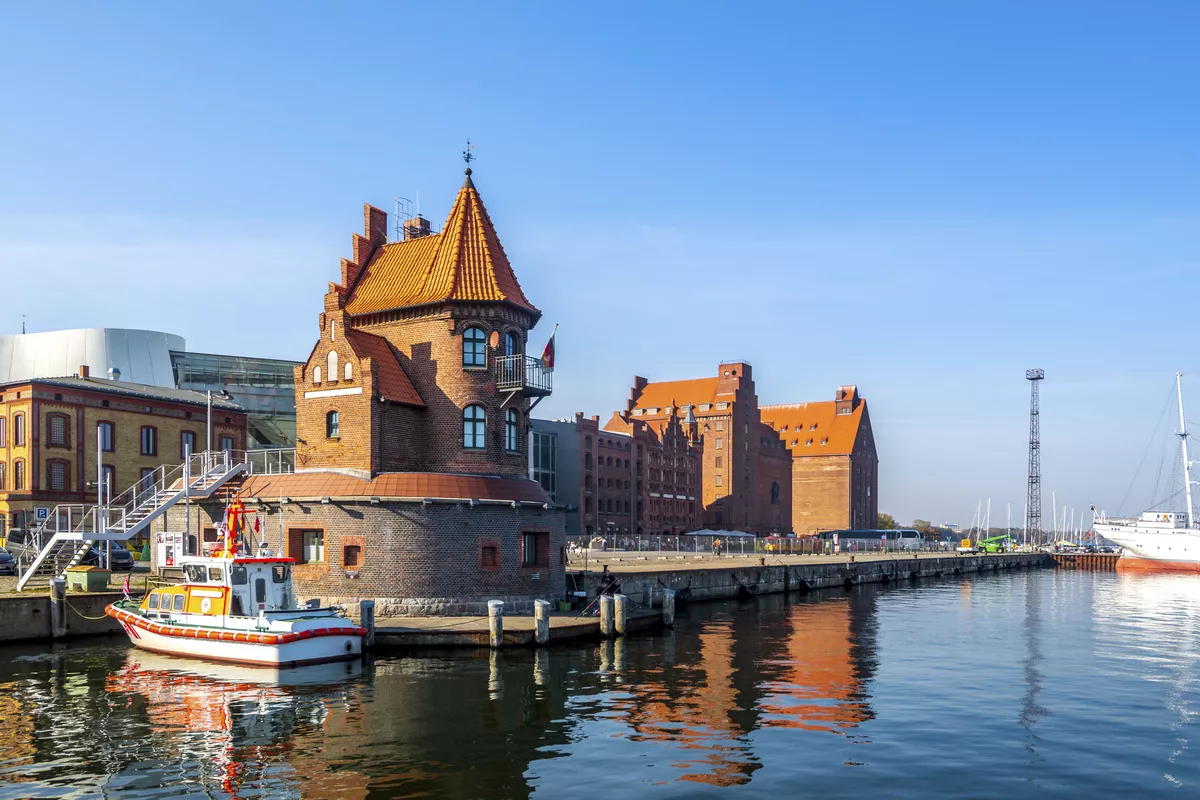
(1034, 495)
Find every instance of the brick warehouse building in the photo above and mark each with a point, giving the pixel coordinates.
(835, 469)
(744, 472)
(412, 413)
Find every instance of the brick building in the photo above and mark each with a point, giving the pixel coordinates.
(744, 470)
(835, 468)
(50, 428)
(412, 410)
(635, 479)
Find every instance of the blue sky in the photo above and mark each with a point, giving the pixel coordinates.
(923, 198)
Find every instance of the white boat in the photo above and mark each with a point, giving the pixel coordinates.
(1158, 540)
(238, 608)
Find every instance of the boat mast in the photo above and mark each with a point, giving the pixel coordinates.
(1187, 465)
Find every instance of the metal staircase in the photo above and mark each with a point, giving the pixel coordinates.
(71, 530)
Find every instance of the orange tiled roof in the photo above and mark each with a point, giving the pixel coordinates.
(394, 484)
(840, 430)
(464, 262)
(394, 384)
(670, 393)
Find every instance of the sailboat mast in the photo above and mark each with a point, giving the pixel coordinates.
(1187, 465)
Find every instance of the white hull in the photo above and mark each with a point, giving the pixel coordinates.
(309, 651)
(1168, 545)
(312, 646)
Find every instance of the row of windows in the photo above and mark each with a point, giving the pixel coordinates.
(331, 362)
(58, 434)
(605, 506)
(58, 476)
(474, 428)
(614, 443)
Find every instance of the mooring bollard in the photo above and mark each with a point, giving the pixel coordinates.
(541, 620)
(58, 608)
(621, 609)
(668, 607)
(496, 623)
(366, 618)
(606, 615)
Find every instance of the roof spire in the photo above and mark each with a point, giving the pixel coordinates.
(468, 157)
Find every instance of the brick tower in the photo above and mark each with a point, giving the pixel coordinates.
(411, 484)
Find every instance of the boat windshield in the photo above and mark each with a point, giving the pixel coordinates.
(279, 573)
(237, 573)
(196, 573)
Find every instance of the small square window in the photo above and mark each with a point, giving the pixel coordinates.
(351, 555)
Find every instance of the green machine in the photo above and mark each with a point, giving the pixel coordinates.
(994, 544)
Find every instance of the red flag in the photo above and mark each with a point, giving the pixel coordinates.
(256, 528)
(548, 353)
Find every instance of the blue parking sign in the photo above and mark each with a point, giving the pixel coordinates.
(43, 512)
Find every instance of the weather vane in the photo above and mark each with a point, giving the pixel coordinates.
(467, 156)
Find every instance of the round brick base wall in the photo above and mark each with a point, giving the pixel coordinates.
(413, 559)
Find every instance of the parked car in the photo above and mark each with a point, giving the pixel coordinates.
(122, 559)
(8, 564)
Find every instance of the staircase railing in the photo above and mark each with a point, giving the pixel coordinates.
(124, 515)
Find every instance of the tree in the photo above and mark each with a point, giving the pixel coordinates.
(886, 522)
(922, 524)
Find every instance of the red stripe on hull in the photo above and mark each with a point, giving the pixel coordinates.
(1133, 563)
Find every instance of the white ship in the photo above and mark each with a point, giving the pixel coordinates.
(1159, 540)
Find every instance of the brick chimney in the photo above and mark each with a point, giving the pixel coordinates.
(416, 227)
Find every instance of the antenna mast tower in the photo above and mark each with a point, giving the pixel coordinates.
(1034, 497)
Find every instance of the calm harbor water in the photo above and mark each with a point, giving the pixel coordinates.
(1047, 683)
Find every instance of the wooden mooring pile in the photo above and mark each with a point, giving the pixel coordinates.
(1094, 562)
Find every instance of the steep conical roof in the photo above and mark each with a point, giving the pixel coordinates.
(464, 262)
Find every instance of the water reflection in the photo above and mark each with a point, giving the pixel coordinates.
(758, 696)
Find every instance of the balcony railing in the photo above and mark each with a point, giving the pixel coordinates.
(523, 373)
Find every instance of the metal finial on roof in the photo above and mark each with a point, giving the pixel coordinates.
(468, 157)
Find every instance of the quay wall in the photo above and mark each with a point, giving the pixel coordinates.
(750, 579)
(27, 617)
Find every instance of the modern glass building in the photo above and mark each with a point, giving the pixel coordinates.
(264, 387)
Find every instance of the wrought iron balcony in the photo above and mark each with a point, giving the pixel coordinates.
(521, 373)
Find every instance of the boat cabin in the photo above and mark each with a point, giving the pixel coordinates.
(242, 586)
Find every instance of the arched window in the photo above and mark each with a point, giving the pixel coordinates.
(1, 476)
(18, 474)
(610, 461)
(18, 430)
(332, 426)
(626, 506)
(512, 431)
(331, 360)
(474, 425)
(512, 344)
(349, 370)
(775, 493)
(316, 374)
(474, 348)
